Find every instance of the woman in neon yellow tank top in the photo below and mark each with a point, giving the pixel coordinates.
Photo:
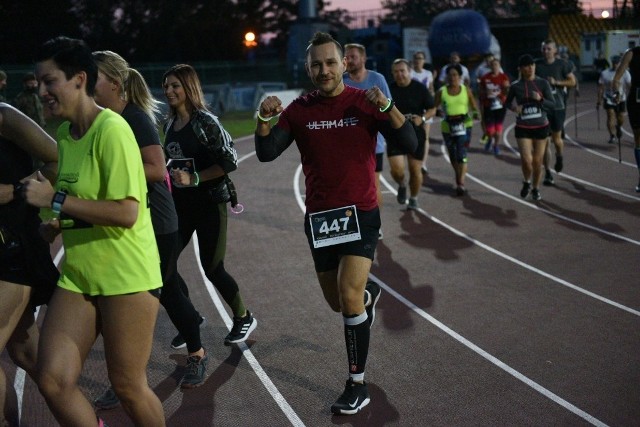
(456, 101)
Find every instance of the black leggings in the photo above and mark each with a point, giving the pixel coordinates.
(181, 311)
(198, 212)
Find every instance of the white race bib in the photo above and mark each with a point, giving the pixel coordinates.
(530, 111)
(334, 226)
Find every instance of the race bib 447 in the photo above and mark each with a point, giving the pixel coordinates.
(334, 226)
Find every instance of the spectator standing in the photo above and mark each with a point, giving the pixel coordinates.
(340, 186)
(559, 73)
(614, 106)
(414, 100)
(424, 76)
(3, 86)
(631, 61)
(360, 77)
(28, 101)
(110, 274)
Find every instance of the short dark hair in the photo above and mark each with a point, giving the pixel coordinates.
(71, 56)
(358, 46)
(456, 67)
(401, 61)
(321, 38)
(28, 77)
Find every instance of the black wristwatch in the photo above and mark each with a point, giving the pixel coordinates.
(17, 191)
(57, 201)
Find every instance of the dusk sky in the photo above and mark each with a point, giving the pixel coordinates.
(355, 5)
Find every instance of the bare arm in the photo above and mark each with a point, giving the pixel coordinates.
(153, 163)
(114, 213)
(624, 64)
(29, 136)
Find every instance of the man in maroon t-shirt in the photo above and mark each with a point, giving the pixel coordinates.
(335, 129)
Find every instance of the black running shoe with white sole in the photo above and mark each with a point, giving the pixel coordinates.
(353, 399)
(372, 295)
(535, 195)
(548, 179)
(179, 342)
(242, 327)
(401, 197)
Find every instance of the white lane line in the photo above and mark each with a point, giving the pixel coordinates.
(253, 362)
(571, 177)
(529, 382)
(494, 360)
(289, 412)
(613, 159)
(246, 352)
(517, 261)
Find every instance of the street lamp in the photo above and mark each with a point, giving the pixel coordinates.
(250, 39)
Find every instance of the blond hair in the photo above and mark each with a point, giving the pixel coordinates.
(133, 86)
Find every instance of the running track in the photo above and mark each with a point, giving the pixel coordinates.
(495, 311)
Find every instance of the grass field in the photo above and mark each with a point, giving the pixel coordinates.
(239, 123)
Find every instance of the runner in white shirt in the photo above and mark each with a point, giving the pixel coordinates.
(615, 108)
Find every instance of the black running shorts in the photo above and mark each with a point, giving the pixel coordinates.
(328, 257)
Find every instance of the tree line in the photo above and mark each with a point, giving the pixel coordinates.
(197, 30)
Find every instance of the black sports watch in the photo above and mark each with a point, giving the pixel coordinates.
(57, 201)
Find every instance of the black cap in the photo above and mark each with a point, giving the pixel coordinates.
(525, 60)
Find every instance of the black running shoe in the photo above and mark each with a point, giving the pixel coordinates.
(242, 327)
(535, 194)
(548, 179)
(526, 187)
(196, 372)
(353, 399)
(460, 190)
(372, 295)
(558, 166)
(179, 342)
(402, 195)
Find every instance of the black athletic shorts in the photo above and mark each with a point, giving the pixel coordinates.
(379, 161)
(556, 119)
(25, 259)
(535, 133)
(328, 257)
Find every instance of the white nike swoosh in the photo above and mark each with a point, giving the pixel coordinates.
(353, 405)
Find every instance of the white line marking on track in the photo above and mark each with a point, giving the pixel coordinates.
(517, 261)
(497, 362)
(246, 352)
(291, 415)
(505, 141)
(555, 398)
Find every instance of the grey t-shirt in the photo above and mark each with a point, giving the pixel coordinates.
(163, 211)
(559, 69)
